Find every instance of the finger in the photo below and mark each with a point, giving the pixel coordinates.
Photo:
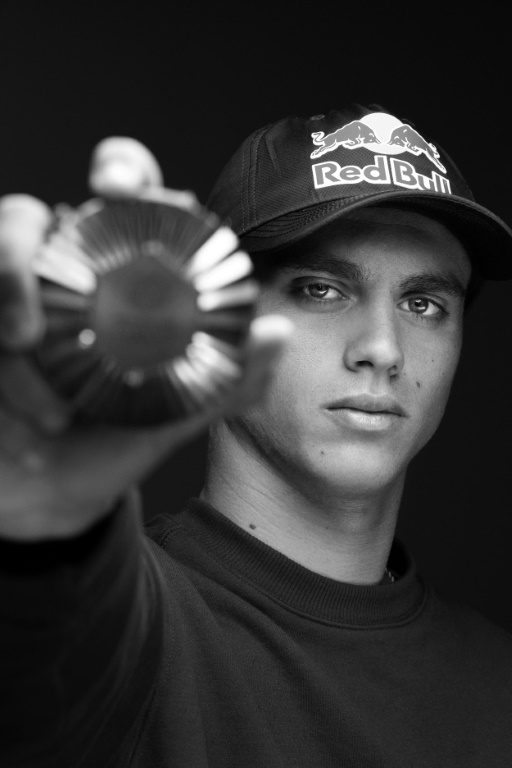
(24, 391)
(23, 224)
(123, 167)
(179, 197)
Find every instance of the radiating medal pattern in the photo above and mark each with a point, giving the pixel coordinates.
(148, 305)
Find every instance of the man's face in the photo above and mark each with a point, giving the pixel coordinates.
(377, 304)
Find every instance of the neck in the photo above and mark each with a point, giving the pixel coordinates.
(344, 534)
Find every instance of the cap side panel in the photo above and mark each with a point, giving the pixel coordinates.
(252, 173)
(466, 190)
(245, 217)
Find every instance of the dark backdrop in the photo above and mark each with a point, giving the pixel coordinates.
(191, 83)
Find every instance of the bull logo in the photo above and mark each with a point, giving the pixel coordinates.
(407, 137)
(379, 132)
(350, 135)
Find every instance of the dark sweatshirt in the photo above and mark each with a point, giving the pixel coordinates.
(199, 645)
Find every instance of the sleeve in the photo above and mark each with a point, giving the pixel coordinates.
(81, 630)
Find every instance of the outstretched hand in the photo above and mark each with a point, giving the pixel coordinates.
(56, 477)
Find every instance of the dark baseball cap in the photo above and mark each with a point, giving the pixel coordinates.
(292, 177)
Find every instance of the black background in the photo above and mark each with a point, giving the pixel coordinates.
(191, 82)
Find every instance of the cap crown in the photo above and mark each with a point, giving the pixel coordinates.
(347, 155)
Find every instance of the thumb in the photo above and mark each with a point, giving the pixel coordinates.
(123, 167)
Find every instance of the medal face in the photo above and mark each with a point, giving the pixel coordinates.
(148, 306)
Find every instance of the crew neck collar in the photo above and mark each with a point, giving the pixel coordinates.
(299, 589)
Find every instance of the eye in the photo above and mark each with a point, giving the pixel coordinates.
(419, 305)
(320, 292)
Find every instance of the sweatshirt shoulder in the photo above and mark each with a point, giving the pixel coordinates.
(471, 632)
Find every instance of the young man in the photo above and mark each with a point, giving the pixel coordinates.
(276, 621)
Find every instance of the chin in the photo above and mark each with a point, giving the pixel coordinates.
(349, 471)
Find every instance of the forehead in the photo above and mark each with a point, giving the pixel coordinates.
(419, 241)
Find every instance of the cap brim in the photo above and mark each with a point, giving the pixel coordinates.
(486, 237)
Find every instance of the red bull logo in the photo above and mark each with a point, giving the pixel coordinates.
(380, 133)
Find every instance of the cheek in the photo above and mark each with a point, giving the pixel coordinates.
(296, 377)
(432, 371)
(289, 411)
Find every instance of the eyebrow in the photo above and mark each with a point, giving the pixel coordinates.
(423, 282)
(434, 282)
(323, 263)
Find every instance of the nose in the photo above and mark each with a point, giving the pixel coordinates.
(375, 342)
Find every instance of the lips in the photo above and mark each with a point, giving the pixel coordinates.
(366, 414)
(369, 404)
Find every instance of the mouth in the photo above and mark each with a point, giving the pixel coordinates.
(369, 404)
(367, 412)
